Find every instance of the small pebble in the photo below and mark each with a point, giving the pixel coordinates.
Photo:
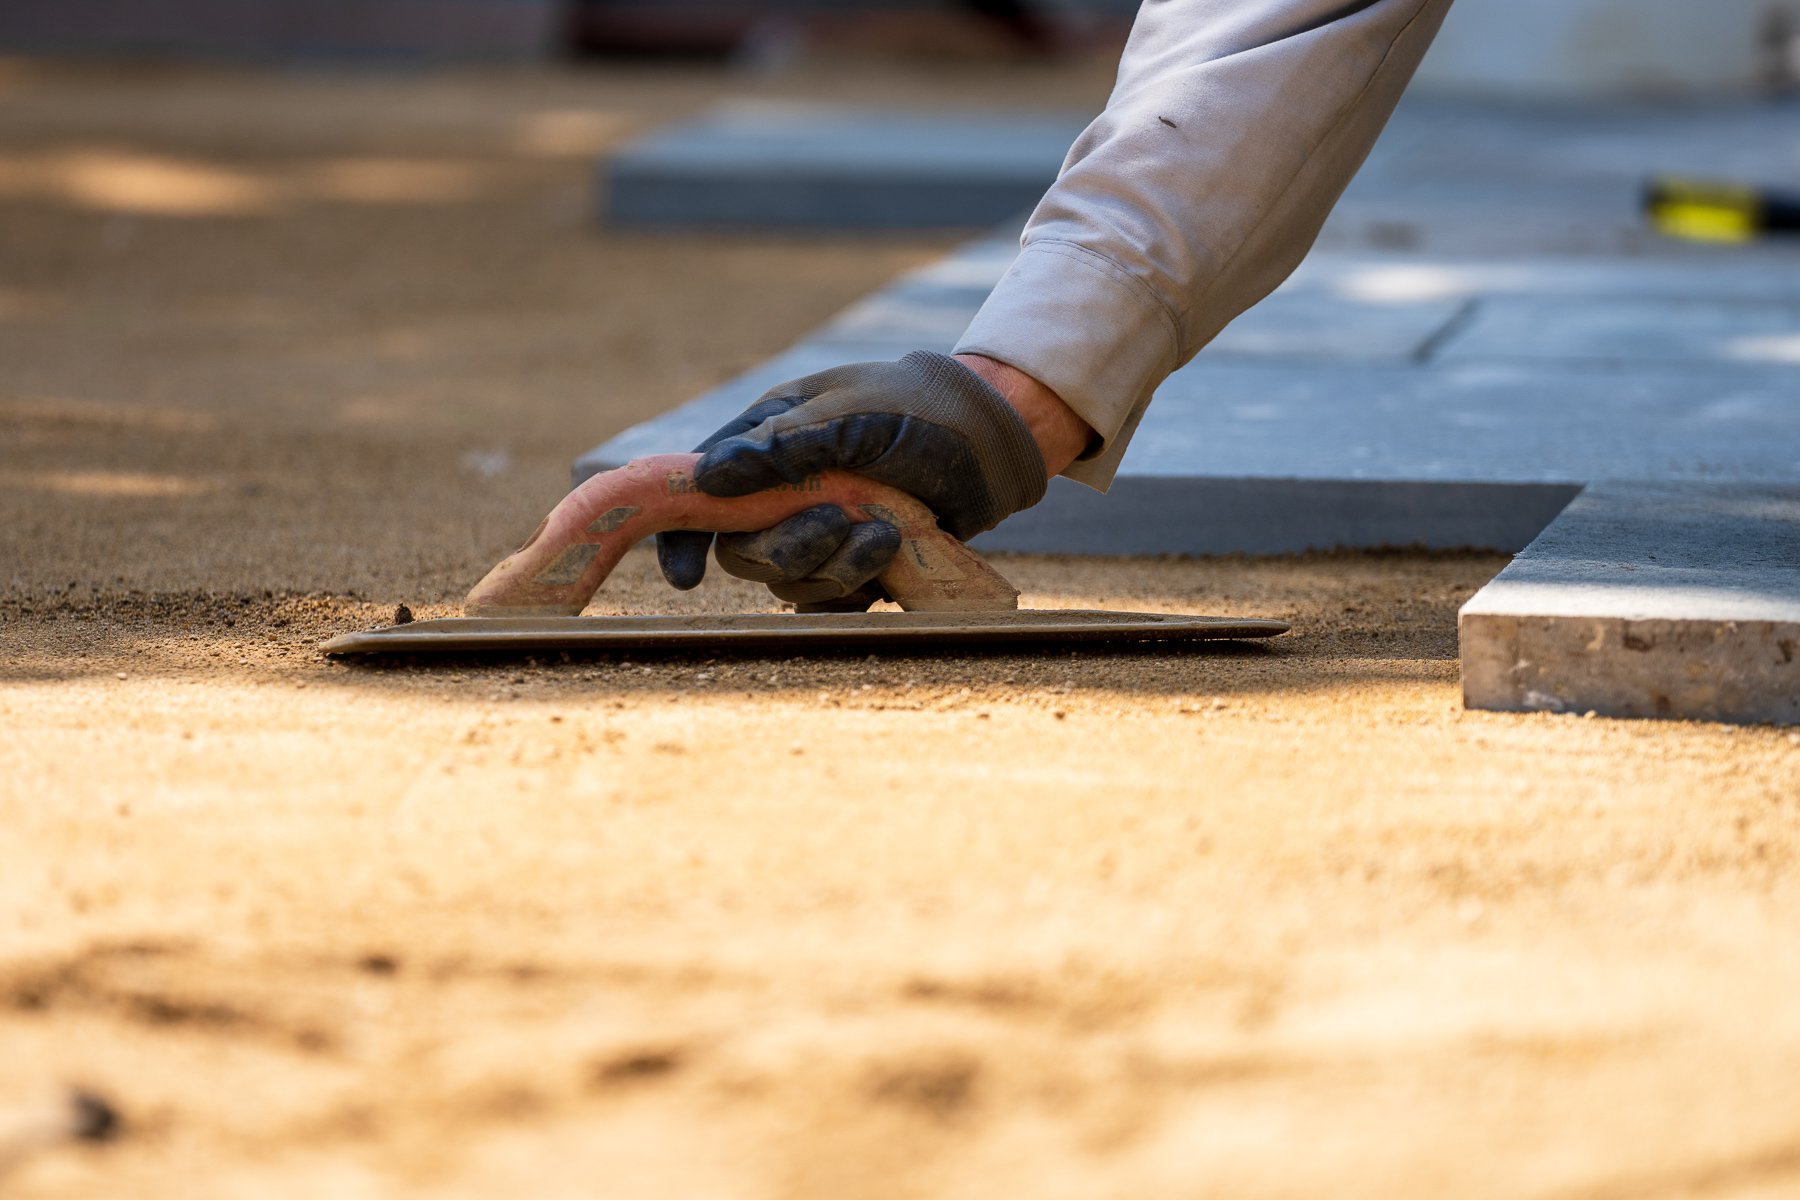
(93, 1118)
(119, 675)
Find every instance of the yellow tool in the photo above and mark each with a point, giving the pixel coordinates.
(1705, 210)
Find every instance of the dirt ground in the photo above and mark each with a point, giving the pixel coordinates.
(283, 351)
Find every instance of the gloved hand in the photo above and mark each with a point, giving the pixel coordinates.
(926, 425)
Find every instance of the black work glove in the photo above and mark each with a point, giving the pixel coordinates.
(926, 425)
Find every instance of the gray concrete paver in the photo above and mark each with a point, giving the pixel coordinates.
(1647, 599)
(1630, 333)
(826, 167)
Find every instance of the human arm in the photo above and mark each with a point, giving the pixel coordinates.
(1233, 129)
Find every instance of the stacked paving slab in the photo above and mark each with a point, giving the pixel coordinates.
(1483, 336)
(770, 165)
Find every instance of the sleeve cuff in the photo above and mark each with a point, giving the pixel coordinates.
(1079, 324)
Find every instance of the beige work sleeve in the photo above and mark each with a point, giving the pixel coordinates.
(1232, 130)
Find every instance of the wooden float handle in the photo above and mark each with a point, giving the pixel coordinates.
(560, 567)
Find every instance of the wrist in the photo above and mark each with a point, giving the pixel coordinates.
(1060, 433)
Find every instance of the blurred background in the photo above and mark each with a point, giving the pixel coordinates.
(348, 274)
(1531, 48)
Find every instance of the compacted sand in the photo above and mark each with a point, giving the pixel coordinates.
(283, 352)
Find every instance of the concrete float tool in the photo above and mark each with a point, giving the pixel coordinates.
(532, 601)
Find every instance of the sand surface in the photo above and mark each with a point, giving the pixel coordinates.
(282, 352)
